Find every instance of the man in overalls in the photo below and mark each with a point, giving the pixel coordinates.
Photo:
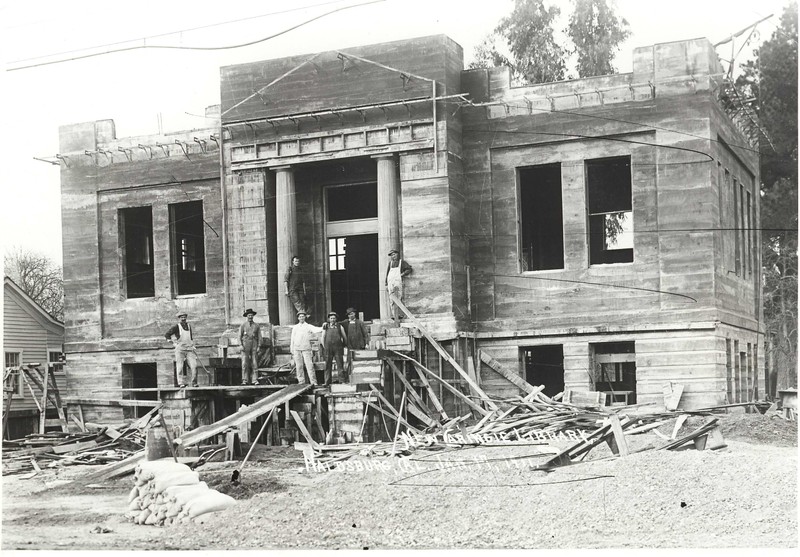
(334, 340)
(395, 272)
(249, 338)
(182, 339)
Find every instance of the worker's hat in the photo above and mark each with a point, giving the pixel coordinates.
(301, 312)
(336, 315)
(249, 311)
(348, 311)
(181, 314)
(391, 251)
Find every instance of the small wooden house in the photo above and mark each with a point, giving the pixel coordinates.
(30, 335)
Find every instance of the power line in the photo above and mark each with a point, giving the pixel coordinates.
(200, 48)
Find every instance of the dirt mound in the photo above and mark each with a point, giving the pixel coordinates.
(758, 428)
(252, 482)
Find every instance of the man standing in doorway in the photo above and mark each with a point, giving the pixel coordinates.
(300, 347)
(357, 336)
(333, 342)
(295, 283)
(395, 272)
(182, 338)
(249, 338)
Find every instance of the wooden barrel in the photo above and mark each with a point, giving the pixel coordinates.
(156, 445)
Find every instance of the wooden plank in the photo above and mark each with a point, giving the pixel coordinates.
(473, 373)
(420, 415)
(43, 415)
(497, 367)
(619, 446)
(111, 402)
(244, 414)
(452, 389)
(72, 447)
(443, 352)
(432, 396)
(392, 416)
(302, 427)
(412, 393)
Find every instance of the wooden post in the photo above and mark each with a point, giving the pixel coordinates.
(286, 217)
(388, 221)
(42, 416)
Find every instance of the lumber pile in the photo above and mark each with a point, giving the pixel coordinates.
(98, 445)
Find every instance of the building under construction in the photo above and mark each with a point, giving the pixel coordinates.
(596, 235)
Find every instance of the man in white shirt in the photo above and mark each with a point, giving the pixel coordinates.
(300, 347)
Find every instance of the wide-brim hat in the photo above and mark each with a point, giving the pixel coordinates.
(391, 251)
(181, 314)
(348, 311)
(249, 311)
(336, 315)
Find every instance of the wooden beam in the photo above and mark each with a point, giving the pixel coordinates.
(432, 395)
(412, 393)
(507, 373)
(452, 389)
(112, 402)
(245, 414)
(619, 446)
(443, 352)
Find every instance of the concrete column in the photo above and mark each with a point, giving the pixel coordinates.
(286, 220)
(388, 220)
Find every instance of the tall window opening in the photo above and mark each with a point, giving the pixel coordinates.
(13, 380)
(136, 251)
(352, 202)
(541, 218)
(615, 370)
(188, 256)
(610, 204)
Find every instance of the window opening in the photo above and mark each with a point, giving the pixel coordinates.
(615, 371)
(136, 251)
(336, 253)
(139, 376)
(187, 248)
(544, 365)
(14, 381)
(55, 361)
(357, 201)
(541, 218)
(610, 210)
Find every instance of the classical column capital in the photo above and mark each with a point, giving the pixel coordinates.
(285, 167)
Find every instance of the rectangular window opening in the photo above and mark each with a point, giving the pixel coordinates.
(541, 218)
(136, 252)
(615, 371)
(55, 361)
(352, 202)
(336, 253)
(139, 376)
(544, 365)
(187, 248)
(610, 204)
(13, 381)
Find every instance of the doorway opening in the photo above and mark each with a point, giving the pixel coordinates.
(353, 264)
(544, 365)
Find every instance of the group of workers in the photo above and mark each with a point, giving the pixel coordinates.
(334, 336)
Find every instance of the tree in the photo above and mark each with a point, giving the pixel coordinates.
(596, 32)
(530, 37)
(39, 277)
(771, 79)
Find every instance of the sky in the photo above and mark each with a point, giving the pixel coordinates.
(134, 87)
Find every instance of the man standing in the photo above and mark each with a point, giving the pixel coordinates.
(249, 338)
(182, 338)
(357, 335)
(395, 272)
(296, 285)
(300, 347)
(333, 342)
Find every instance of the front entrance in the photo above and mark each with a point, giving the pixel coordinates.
(352, 261)
(352, 249)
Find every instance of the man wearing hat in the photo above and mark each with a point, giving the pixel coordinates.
(182, 338)
(249, 338)
(334, 340)
(357, 335)
(395, 272)
(300, 347)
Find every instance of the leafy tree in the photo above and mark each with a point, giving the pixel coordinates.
(39, 277)
(771, 79)
(530, 37)
(597, 33)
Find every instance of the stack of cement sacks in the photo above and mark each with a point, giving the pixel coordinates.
(167, 492)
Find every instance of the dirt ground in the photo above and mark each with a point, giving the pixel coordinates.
(741, 496)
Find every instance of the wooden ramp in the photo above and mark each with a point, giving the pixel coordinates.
(244, 415)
